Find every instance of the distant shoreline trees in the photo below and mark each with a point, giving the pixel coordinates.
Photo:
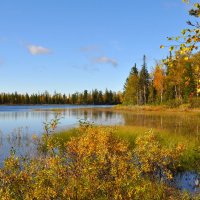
(95, 97)
(179, 82)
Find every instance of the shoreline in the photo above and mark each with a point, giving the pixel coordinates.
(153, 108)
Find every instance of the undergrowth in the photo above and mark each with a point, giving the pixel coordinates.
(95, 163)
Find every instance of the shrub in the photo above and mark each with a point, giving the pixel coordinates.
(154, 159)
(94, 165)
(194, 102)
(174, 103)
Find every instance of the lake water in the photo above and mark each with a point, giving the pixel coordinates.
(24, 121)
(29, 119)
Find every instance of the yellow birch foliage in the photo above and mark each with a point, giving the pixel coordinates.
(154, 159)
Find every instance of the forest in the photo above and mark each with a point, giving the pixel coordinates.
(95, 97)
(179, 82)
(174, 79)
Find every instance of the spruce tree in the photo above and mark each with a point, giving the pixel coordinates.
(131, 87)
(143, 83)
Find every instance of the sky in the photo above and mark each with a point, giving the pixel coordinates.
(72, 45)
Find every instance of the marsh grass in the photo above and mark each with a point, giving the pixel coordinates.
(189, 160)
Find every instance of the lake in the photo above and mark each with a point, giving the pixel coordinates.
(22, 122)
(29, 119)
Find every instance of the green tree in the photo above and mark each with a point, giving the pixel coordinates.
(131, 87)
(144, 83)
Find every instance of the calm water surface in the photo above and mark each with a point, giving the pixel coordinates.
(23, 121)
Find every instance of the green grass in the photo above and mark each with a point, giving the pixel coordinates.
(189, 160)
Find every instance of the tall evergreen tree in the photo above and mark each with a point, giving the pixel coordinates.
(144, 83)
(131, 87)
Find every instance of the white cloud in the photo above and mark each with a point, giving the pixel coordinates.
(38, 50)
(106, 60)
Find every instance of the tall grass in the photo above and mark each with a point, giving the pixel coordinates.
(189, 159)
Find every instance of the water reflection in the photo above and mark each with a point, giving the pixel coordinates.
(32, 120)
(175, 123)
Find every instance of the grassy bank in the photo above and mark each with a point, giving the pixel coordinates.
(158, 108)
(189, 159)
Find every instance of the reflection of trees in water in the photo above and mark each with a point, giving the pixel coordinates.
(108, 115)
(95, 115)
(186, 124)
(92, 114)
(176, 123)
(25, 115)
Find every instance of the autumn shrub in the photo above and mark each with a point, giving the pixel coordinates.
(156, 160)
(174, 103)
(93, 165)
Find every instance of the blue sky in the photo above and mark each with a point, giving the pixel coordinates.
(72, 45)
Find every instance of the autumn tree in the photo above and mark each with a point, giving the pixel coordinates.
(195, 62)
(158, 80)
(188, 41)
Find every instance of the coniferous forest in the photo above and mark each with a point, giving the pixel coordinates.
(179, 82)
(95, 97)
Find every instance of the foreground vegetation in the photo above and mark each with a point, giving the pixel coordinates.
(93, 162)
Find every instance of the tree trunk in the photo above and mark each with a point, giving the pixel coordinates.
(161, 96)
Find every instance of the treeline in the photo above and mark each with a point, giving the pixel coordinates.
(96, 97)
(179, 81)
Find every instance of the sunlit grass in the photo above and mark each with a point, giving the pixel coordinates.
(189, 159)
(181, 108)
